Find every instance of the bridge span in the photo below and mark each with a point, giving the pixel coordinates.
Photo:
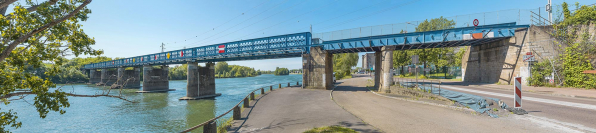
(317, 57)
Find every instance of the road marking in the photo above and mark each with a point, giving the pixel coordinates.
(552, 123)
(570, 104)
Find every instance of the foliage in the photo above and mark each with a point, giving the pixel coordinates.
(574, 64)
(281, 71)
(178, 72)
(343, 63)
(579, 50)
(223, 70)
(330, 129)
(539, 71)
(32, 37)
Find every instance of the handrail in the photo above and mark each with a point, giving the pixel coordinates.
(213, 119)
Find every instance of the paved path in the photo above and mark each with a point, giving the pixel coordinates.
(573, 112)
(295, 110)
(392, 115)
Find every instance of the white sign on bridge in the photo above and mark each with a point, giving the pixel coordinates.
(529, 58)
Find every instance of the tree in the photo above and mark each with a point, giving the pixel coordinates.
(433, 55)
(31, 36)
(343, 63)
(281, 71)
(402, 58)
(221, 67)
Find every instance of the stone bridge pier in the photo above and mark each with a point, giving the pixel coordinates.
(200, 81)
(129, 78)
(317, 69)
(108, 77)
(155, 80)
(384, 73)
(94, 76)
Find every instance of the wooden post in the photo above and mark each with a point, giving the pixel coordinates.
(262, 91)
(246, 102)
(288, 84)
(439, 87)
(236, 112)
(252, 95)
(279, 86)
(431, 86)
(271, 88)
(297, 83)
(210, 127)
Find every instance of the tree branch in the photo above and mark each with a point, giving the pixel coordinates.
(69, 94)
(21, 39)
(5, 3)
(34, 7)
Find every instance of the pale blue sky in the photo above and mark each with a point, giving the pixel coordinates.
(126, 28)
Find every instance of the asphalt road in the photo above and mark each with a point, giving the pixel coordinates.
(393, 115)
(574, 113)
(295, 110)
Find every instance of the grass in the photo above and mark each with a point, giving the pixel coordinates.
(223, 125)
(330, 129)
(345, 77)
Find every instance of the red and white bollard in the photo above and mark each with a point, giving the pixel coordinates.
(517, 99)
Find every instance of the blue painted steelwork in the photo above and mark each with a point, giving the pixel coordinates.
(282, 46)
(294, 45)
(429, 39)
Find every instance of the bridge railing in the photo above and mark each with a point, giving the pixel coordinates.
(210, 126)
(520, 16)
(245, 47)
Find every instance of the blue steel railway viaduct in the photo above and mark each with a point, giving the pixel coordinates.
(496, 45)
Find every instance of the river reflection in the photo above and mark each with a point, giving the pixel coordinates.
(155, 112)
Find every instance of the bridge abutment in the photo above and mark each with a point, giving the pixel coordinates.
(108, 77)
(94, 76)
(317, 69)
(155, 80)
(129, 78)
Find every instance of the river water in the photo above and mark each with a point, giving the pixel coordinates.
(155, 112)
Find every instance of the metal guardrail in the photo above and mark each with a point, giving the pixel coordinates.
(210, 126)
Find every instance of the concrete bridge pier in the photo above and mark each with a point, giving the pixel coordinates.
(129, 78)
(386, 65)
(108, 77)
(201, 82)
(317, 69)
(94, 76)
(155, 80)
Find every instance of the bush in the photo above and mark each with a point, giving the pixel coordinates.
(422, 77)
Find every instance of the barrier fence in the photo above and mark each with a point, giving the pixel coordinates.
(210, 126)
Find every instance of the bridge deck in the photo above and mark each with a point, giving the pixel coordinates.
(294, 45)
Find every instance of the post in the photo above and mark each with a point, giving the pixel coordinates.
(288, 84)
(279, 86)
(517, 97)
(252, 95)
(439, 87)
(246, 102)
(271, 88)
(236, 115)
(431, 86)
(297, 83)
(262, 91)
(210, 127)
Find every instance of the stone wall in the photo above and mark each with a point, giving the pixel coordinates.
(318, 69)
(500, 61)
(94, 76)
